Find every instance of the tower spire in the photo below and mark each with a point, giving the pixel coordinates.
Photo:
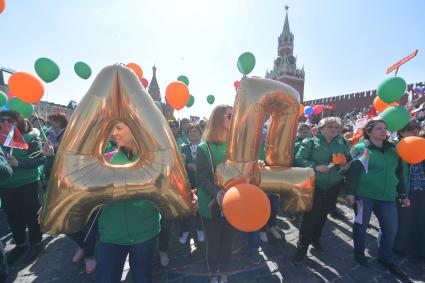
(286, 31)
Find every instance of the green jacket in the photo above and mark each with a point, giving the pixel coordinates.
(5, 169)
(186, 150)
(205, 177)
(298, 141)
(316, 151)
(29, 160)
(384, 178)
(128, 223)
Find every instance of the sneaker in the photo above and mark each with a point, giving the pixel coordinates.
(395, 269)
(317, 245)
(15, 253)
(361, 259)
(33, 253)
(263, 237)
(163, 258)
(90, 265)
(273, 230)
(200, 236)
(299, 255)
(78, 256)
(183, 238)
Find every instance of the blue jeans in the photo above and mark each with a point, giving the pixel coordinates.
(386, 212)
(111, 259)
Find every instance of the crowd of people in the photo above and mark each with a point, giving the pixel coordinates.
(389, 187)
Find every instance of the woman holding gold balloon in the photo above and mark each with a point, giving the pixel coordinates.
(219, 233)
(129, 228)
(327, 153)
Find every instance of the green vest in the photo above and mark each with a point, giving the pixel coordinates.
(219, 155)
(128, 223)
(316, 151)
(21, 176)
(380, 183)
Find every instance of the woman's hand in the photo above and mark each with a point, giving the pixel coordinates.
(194, 201)
(322, 168)
(349, 199)
(12, 161)
(404, 202)
(48, 149)
(220, 196)
(261, 163)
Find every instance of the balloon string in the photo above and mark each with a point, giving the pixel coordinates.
(42, 132)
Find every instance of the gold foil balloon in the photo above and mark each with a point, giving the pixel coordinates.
(83, 180)
(257, 98)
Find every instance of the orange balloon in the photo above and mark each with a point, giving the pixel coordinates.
(177, 95)
(411, 149)
(2, 5)
(301, 109)
(380, 105)
(136, 68)
(26, 87)
(246, 207)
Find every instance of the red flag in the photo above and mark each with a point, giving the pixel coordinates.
(12, 137)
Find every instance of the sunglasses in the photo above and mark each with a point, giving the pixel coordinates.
(9, 120)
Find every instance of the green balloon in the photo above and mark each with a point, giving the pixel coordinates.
(15, 104)
(210, 99)
(158, 104)
(46, 69)
(392, 89)
(246, 63)
(190, 101)
(82, 70)
(183, 79)
(396, 118)
(3, 98)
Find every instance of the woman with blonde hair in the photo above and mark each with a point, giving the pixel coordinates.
(327, 154)
(211, 152)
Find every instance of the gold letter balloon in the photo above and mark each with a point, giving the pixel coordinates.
(256, 99)
(83, 180)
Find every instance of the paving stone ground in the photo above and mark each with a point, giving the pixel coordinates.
(187, 262)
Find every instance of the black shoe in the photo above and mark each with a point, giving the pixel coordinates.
(338, 214)
(33, 253)
(300, 255)
(15, 253)
(361, 259)
(395, 269)
(317, 246)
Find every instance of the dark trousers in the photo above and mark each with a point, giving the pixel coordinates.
(21, 205)
(386, 212)
(274, 205)
(185, 223)
(87, 238)
(111, 259)
(312, 222)
(164, 235)
(219, 236)
(411, 226)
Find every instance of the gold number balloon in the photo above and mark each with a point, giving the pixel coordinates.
(257, 98)
(82, 179)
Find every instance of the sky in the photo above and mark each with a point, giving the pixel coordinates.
(344, 46)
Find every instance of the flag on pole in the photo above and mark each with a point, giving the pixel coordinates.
(12, 137)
